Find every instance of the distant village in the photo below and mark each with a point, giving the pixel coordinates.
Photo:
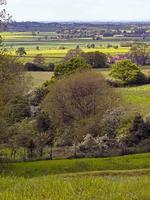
(96, 31)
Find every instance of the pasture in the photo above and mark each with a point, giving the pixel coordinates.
(118, 178)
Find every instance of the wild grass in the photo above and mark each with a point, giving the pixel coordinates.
(76, 188)
(38, 78)
(126, 178)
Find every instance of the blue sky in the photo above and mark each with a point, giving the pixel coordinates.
(79, 10)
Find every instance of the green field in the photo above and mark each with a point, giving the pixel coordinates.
(118, 178)
(40, 168)
(77, 188)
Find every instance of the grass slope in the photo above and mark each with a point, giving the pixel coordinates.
(31, 169)
(53, 180)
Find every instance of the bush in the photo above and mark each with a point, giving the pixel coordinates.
(139, 131)
(51, 67)
(96, 59)
(125, 72)
(40, 68)
(33, 67)
(71, 66)
(77, 52)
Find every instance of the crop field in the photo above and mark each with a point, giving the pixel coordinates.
(54, 49)
(118, 178)
(56, 55)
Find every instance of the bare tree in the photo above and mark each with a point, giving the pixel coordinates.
(4, 16)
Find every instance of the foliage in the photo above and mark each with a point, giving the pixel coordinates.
(51, 67)
(140, 53)
(71, 66)
(4, 16)
(46, 132)
(77, 52)
(13, 88)
(139, 131)
(78, 102)
(38, 95)
(39, 60)
(21, 51)
(23, 136)
(111, 122)
(34, 67)
(96, 59)
(126, 72)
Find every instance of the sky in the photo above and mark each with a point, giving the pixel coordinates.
(79, 10)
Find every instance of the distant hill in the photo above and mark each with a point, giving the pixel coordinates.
(54, 26)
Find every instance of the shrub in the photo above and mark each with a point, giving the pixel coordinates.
(71, 66)
(39, 60)
(34, 67)
(139, 131)
(51, 67)
(77, 52)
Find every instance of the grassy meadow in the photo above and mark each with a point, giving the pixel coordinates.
(118, 178)
(81, 188)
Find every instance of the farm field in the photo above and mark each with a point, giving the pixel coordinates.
(53, 49)
(118, 178)
(56, 55)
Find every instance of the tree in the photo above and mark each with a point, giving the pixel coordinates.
(126, 72)
(73, 65)
(21, 51)
(140, 53)
(4, 16)
(51, 67)
(92, 46)
(24, 137)
(138, 131)
(78, 102)
(46, 132)
(96, 59)
(13, 88)
(37, 48)
(33, 33)
(77, 52)
(39, 60)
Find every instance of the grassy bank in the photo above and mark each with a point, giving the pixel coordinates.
(31, 169)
